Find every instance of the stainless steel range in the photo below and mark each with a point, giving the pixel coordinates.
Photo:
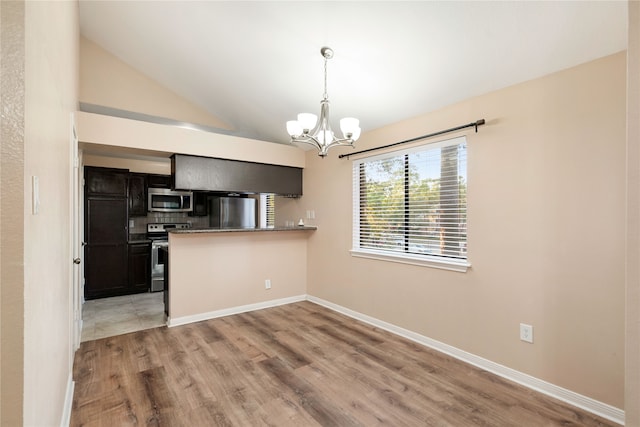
(159, 235)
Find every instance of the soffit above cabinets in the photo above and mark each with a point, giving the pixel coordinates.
(119, 136)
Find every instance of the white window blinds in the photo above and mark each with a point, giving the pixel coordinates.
(271, 210)
(267, 210)
(413, 202)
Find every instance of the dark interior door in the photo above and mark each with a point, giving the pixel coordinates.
(106, 249)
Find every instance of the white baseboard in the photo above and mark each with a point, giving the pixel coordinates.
(171, 322)
(588, 404)
(68, 403)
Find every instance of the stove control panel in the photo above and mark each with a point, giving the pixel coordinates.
(164, 227)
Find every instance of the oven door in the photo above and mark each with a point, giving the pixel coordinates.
(158, 260)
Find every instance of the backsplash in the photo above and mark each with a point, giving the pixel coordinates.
(140, 222)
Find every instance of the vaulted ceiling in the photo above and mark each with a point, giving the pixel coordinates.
(255, 65)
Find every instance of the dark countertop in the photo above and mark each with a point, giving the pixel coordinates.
(138, 238)
(236, 230)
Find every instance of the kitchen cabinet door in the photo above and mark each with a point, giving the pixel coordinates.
(159, 181)
(137, 194)
(234, 176)
(106, 249)
(106, 221)
(140, 267)
(199, 203)
(105, 271)
(106, 181)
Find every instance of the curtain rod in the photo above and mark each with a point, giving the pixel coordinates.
(469, 125)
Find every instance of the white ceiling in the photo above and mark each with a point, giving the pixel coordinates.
(256, 65)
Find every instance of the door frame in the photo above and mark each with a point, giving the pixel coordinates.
(76, 238)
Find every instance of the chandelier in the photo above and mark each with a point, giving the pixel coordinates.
(309, 130)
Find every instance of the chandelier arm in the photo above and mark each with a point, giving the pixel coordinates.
(343, 141)
(308, 140)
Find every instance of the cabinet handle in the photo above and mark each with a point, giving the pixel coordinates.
(76, 261)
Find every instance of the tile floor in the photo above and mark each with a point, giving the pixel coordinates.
(107, 317)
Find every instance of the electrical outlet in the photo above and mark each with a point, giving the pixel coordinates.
(267, 284)
(526, 333)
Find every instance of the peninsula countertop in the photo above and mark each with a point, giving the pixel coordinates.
(244, 230)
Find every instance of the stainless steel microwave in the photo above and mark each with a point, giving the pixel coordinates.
(163, 200)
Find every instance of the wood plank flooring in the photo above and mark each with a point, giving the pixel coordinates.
(294, 365)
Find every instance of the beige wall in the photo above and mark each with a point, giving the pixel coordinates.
(51, 96)
(37, 352)
(12, 86)
(216, 271)
(632, 365)
(546, 233)
(107, 81)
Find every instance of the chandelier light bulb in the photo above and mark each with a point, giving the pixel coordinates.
(307, 121)
(348, 126)
(356, 134)
(294, 128)
(309, 129)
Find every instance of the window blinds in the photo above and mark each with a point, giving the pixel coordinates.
(413, 201)
(271, 212)
(267, 210)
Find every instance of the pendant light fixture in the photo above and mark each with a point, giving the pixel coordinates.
(309, 130)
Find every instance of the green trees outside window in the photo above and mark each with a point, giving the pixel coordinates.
(414, 201)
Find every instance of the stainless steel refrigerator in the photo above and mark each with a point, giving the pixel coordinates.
(232, 212)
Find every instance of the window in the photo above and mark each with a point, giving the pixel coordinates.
(411, 206)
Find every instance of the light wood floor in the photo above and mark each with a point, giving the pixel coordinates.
(294, 365)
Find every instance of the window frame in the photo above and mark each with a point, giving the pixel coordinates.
(426, 260)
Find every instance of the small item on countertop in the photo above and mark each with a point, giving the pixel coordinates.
(301, 223)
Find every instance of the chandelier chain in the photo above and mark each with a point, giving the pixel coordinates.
(326, 96)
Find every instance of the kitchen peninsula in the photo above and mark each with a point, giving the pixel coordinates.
(215, 272)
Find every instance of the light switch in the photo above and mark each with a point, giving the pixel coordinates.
(35, 195)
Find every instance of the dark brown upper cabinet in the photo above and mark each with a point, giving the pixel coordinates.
(137, 194)
(106, 182)
(234, 176)
(158, 181)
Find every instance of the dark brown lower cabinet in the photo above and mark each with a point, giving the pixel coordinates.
(105, 270)
(139, 266)
(113, 270)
